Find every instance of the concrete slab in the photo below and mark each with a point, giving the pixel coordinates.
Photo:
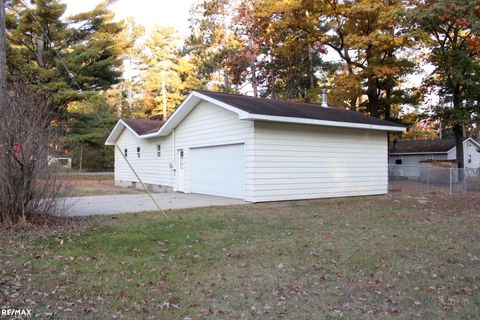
(124, 203)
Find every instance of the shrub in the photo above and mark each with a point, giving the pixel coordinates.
(29, 134)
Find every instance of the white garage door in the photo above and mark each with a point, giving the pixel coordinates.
(219, 171)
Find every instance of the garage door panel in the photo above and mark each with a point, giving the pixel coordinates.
(219, 170)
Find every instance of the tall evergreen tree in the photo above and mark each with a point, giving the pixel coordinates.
(210, 40)
(91, 46)
(168, 74)
(87, 42)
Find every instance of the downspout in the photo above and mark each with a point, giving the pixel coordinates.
(174, 164)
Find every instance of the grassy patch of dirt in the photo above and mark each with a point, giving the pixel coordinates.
(400, 256)
(81, 185)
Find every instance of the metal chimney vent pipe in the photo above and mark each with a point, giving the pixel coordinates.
(324, 98)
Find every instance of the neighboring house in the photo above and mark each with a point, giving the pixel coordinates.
(416, 152)
(256, 149)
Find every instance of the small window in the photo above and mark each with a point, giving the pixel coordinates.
(181, 159)
(398, 161)
(469, 159)
(125, 152)
(159, 150)
(138, 152)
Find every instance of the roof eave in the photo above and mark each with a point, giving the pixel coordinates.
(339, 124)
(474, 142)
(464, 141)
(416, 153)
(117, 130)
(195, 97)
(192, 100)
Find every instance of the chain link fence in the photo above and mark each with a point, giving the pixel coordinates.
(431, 178)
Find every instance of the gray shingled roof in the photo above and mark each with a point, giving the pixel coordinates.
(263, 106)
(421, 146)
(285, 108)
(142, 127)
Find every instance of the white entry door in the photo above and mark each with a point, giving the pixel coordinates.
(180, 171)
(219, 170)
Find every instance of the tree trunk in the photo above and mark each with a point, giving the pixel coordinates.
(458, 129)
(41, 52)
(372, 84)
(311, 75)
(372, 93)
(353, 100)
(388, 104)
(360, 102)
(478, 131)
(254, 81)
(253, 69)
(3, 56)
(272, 74)
(130, 97)
(226, 81)
(80, 163)
(458, 132)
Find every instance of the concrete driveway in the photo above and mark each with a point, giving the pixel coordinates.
(123, 203)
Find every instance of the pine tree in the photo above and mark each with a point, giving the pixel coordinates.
(210, 40)
(87, 43)
(164, 65)
(91, 46)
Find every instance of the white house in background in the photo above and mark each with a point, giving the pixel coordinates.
(255, 149)
(414, 152)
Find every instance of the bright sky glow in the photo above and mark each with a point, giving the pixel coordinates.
(174, 13)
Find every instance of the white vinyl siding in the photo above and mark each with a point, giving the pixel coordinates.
(152, 169)
(415, 159)
(209, 125)
(206, 125)
(469, 148)
(305, 162)
(282, 161)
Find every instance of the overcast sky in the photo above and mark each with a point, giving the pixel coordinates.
(173, 13)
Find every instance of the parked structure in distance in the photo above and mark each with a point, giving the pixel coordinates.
(421, 152)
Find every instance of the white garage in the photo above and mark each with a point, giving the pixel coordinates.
(255, 149)
(219, 170)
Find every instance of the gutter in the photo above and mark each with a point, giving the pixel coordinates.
(416, 153)
(325, 123)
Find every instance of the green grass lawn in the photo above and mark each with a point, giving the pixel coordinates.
(398, 257)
